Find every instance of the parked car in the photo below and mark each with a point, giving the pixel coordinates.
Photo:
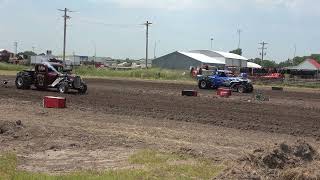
(50, 75)
(220, 79)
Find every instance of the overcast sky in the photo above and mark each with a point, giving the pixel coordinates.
(114, 26)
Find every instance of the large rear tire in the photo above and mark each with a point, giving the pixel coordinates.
(22, 83)
(203, 84)
(41, 82)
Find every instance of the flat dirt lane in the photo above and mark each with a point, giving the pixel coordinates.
(294, 113)
(117, 117)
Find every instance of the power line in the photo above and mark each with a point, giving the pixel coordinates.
(65, 17)
(263, 53)
(154, 51)
(239, 32)
(110, 24)
(155, 48)
(15, 44)
(147, 24)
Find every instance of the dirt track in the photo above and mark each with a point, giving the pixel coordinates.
(118, 116)
(293, 113)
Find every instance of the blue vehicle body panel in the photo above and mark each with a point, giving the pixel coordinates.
(219, 79)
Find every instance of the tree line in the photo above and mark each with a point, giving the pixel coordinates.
(272, 64)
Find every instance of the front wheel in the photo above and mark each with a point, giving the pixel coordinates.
(83, 88)
(250, 88)
(22, 83)
(203, 84)
(63, 87)
(234, 87)
(242, 89)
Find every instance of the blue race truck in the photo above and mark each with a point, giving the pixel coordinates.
(219, 79)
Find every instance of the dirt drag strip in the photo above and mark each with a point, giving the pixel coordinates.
(163, 101)
(102, 129)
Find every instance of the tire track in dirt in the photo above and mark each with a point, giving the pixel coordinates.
(163, 100)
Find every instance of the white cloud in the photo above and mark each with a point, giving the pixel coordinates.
(295, 5)
(3, 3)
(159, 4)
(302, 7)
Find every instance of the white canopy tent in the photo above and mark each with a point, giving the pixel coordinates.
(253, 65)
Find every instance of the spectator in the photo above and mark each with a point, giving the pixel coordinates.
(191, 71)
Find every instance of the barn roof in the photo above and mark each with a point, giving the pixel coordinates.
(308, 64)
(315, 63)
(253, 65)
(230, 55)
(202, 58)
(219, 54)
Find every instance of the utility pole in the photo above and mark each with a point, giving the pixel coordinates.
(295, 51)
(154, 51)
(95, 53)
(65, 17)
(239, 33)
(263, 44)
(211, 43)
(147, 24)
(15, 44)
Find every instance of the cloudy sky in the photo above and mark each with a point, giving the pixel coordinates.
(114, 26)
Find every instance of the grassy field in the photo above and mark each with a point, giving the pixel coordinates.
(298, 84)
(151, 165)
(12, 67)
(152, 73)
(89, 71)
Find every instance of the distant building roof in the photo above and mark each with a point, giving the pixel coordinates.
(2, 50)
(315, 63)
(230, 55)
(308, 64)
(202, 58)
(253, 65)
(220, 54)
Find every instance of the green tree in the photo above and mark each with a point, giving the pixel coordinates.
(298, 60)
(26, 54)
(237, 51)
(286, 63)
(264, 63)
(315, 57)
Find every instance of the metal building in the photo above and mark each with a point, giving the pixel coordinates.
(196, 58)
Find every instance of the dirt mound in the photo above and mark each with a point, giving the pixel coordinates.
(285, 156)
(10, 128)
(280, 162)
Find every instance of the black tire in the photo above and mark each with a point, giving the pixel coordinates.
(203, 84)
(40, 82)
(234, 87)
(83, 89)
(22, 83)
(63, 87)
(250, 88)
(242, 89)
